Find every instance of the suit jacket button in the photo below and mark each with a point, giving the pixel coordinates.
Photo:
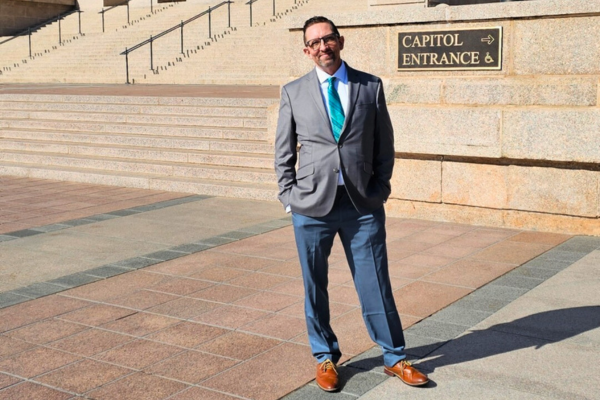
(340, 146)
(336, 170)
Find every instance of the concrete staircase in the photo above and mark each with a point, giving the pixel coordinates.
(14, 55)
(236, 54)
(210, 146)
(213, 146)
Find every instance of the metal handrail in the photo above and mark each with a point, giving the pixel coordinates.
(32, 29)
(254, 1)
(115, 6)
(178, 26)
(120, 4)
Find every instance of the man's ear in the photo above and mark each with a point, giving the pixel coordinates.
(306, 52)
(341, 40)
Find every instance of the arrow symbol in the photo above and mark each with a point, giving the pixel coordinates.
(489, 39)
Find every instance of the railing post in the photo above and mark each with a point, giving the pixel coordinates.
(273, 7)
(29, 34)
(59, 31)
(181, 37)
(79, 12)
(151, 8)
(127, 64)
(127, 12)
(151, 56)
(102, 12)
(251, 13)
(209, 23)
(229, 14)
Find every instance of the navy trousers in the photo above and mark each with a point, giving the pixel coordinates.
(363, 238)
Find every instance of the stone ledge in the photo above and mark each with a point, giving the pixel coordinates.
(492, 217)
(402, 15)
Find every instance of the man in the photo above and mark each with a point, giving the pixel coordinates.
(338, 117)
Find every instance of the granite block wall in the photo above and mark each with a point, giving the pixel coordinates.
(516, 147)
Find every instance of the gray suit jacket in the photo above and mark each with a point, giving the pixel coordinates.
(365, 152)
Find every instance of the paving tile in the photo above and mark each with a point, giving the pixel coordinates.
(294, 287)
(143, 299)
(422, 299)
(10, 346)
(459, 316)
(427, 260)
(36, 361)
(540, 237)
(188, 334)
(90, 342)
(277, 326)
(74, 280)
(8, 299)
(269, 301)
(139, 386)
(314, 393)
(180, 286)
(238, 345)
(184, 308)
(352, 333)
(97, 314)
(6, 381)
(106, 271)
(35, 310)
(512, 252)
(369, 360)
(358, 382)
(491, 291)
(219, 274)
(191, 366)
(138, 354)
(223, 293)
(274, 381)
(230, 316)
(83, 376)
(451, 250)
(517, 281)
(469, 273)
(46, 331)
(259, 281)
(39, 289)
(437, 329)
(400, 269)
(32, 391)
(140, 323)
(196, 393)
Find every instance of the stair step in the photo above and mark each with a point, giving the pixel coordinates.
(144, 140)
(216, 158)
(218, 173)
(144, 181)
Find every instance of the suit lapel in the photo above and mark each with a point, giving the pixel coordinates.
(353, 90)
(314, 88)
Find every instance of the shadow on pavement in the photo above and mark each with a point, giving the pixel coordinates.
(535, 330)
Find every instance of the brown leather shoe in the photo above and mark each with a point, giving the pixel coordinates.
(327, 376)
(407, 373)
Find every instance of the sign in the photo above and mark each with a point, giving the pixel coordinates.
(456, 49)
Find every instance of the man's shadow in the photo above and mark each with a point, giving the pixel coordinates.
(537, 330)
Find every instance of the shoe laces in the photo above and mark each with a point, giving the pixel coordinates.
(328, 364)
(405, 363)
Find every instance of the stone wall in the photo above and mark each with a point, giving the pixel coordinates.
(18, 15)
(519, 147)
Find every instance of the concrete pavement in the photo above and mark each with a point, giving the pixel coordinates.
(113, 293)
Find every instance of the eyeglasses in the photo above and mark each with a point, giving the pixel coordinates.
(327, 40)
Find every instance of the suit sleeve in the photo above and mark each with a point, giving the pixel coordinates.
(383, 159)
(285, 149)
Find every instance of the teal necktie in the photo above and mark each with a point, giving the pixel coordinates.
(336, 112)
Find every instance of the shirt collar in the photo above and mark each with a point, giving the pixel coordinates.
(341, 74)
